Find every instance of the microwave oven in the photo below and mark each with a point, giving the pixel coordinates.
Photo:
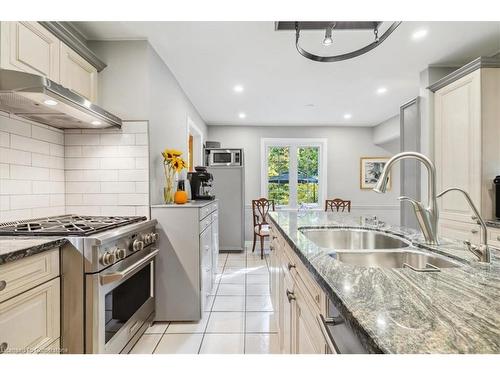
(224, 157)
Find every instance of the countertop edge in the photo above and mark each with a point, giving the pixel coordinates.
(31, 250)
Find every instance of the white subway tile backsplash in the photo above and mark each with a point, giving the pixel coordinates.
(56, 150)
(4, 170)
(4, 139)
(133, 175)
(141, 139)
(82, 187)
(100, 199)
(28, 201)
(21, 172)
(74, 199)
(84, 210)
(81, 163)
(15, 126)
(142, 187)
(47, 211)
(4, 203)
(117, 139)
(57, 187)
(57, 200)
(99, 151)
(117, 187)
(117, 163)
(141, 163)
(29, 144)
(118, 210)
(142, 211)
(72, 151)
(47, 135)
(132, 151)
(133, 199)
(56, 175)
(40, 160)
(15, 214)
(15, 187)
(41, 187)
(18, 157)
(81, 139)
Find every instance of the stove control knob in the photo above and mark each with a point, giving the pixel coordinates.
(108, 258)
(147, 238)
(121, 253)
(154, 237)
(137, 245)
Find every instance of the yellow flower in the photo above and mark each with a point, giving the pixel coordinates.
(178, 164)
(170, 154)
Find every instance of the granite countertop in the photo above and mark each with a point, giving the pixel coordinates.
(190, 204)
(15, 248)
(456, 310)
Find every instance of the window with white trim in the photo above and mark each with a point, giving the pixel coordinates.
(293, 171)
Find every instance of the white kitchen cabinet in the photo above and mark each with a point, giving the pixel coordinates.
(467, 144)
(294, 301)
(30, 321)
(77, 74)
(29, 47)
(185, 265)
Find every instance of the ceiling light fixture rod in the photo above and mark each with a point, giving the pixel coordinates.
(349, 55)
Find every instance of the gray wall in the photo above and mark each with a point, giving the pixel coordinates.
(138, 85)
(345, 148)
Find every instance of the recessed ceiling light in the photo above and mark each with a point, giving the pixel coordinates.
(238, 88)
(242, 115)
(419, 34)
(310, 105)
(347, 116)
(381, 90)
(95, 122)
(50, 102)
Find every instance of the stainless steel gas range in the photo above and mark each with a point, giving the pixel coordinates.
(107, 270)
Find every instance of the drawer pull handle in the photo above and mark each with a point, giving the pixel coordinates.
(498, 239)
(290, 266)
(3, 347)
(474, 231)
(3, 285)
(290, 296)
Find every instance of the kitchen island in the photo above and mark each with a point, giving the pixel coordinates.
(400, 310)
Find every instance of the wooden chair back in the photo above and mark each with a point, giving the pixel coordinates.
(260, 209)
(338, 204)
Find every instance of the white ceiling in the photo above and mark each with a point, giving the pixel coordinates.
(283, 88)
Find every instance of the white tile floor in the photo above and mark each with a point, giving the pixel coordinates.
(239, 317)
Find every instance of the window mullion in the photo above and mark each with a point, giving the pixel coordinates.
(293, 176)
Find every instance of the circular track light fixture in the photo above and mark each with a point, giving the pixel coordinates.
(338, 25)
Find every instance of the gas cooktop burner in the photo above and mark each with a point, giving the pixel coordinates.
(66, 225)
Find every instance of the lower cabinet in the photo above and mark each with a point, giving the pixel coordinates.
(30, 320)
(295, 308)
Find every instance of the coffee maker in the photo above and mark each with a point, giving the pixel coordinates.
(201, 184)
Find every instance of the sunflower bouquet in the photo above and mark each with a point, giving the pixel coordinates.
(173, 163)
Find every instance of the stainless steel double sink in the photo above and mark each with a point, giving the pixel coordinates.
(371, 248)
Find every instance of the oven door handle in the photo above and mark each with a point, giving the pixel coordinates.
(116, 276)
(323, 323)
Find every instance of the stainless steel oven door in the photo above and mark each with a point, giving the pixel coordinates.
(119, 301)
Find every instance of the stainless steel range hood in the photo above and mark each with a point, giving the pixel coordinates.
(39, 99)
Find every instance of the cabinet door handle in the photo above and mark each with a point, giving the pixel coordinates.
(3, 285)
(3, 347)
(290, 296)
(290, 266)
(474, 231)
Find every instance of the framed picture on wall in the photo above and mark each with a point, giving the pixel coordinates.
(370, 171)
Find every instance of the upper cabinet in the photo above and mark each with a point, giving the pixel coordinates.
(31, 47)
(467, 139)
(77, 74)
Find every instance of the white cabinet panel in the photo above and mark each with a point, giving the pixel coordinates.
(31, 320)
(29, 47)
(77, 74)
(460, 231)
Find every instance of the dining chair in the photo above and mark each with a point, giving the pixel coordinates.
(338, 204)
(260, 210)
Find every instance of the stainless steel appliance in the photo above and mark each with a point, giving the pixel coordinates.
(212, 144)
(39, 99)
(229, 188)
(224, 157)
(339, 337)
(201, 184)
(107, 271)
